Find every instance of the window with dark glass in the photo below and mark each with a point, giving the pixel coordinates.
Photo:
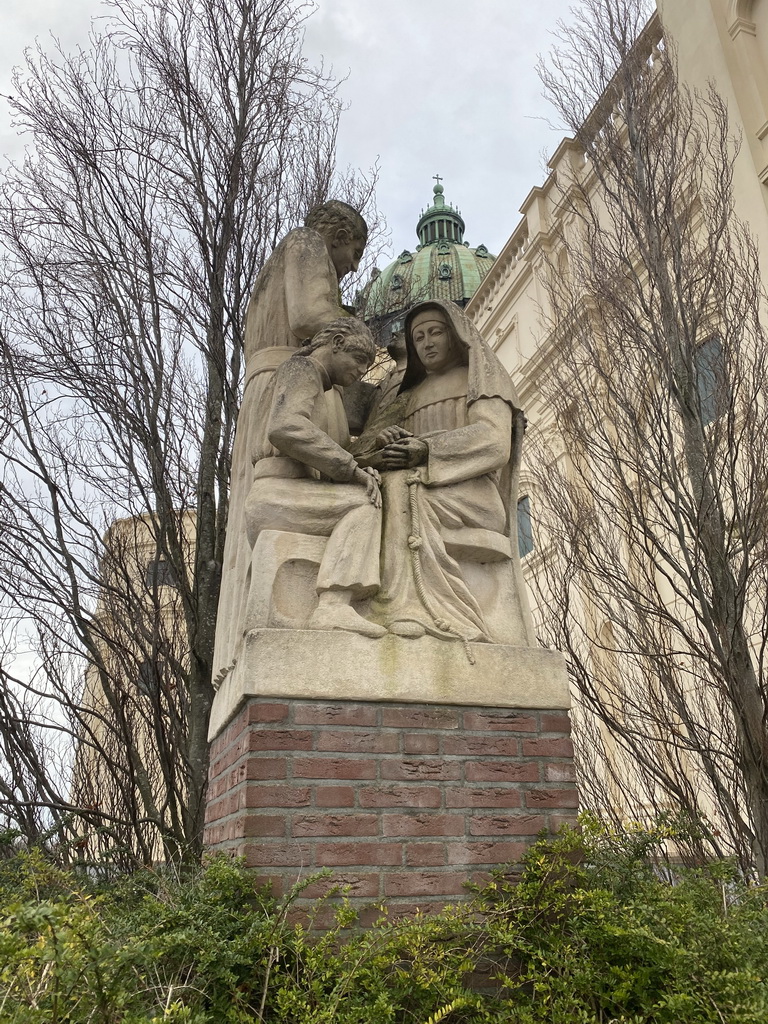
(524, 527)
(160, 574)
(711, 379)
(148, 681)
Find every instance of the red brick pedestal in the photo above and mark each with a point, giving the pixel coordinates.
(404, 802)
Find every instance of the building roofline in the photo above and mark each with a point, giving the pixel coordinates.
(516, 245)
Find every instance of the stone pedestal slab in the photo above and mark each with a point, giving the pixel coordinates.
(337, 665)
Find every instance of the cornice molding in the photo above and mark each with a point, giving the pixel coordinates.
(739, 25)
(740, 18)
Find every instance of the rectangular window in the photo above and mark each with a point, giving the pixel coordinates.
(711, 380)
(148, 682)
(160, 574)
(524, 527)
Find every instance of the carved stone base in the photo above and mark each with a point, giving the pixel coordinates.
(337, 665)
(396, 763)
(405, 803)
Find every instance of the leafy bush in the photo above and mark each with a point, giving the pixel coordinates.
(596, 931)
(590, 930)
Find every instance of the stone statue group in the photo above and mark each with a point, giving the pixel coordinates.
(410, 528)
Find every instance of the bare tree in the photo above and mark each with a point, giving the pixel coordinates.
(654, 577)
(164, 163)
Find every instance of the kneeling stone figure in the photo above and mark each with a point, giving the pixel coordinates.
(306, 481)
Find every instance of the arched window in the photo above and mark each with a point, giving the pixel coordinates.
(160, 574)
(711, 379)
(525, 543)
(149, 678)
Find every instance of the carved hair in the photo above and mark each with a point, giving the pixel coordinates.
(335, 214)
(357, 337)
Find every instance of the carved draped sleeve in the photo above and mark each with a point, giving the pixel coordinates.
(295, 296)
(464, 441)
(298, 426)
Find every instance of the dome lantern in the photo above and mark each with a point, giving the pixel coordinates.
(440, 221)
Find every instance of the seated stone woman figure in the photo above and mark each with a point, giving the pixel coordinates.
(448, 450)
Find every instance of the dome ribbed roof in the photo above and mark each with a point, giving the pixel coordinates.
(442, 266)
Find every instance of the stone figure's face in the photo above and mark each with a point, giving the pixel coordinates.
(346, 251)
(433, 341)
(397, 347)
(346, 366)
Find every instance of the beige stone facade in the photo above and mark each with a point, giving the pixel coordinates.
(129, 714)
(724, 42)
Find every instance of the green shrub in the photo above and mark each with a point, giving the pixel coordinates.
(589, 930)
(595, 931)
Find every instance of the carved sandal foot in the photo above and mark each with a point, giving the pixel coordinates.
(407, 628)
(345, 618)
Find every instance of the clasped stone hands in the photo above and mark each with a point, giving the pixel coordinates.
(399, 449)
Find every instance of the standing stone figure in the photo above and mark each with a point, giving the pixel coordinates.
(295, 296)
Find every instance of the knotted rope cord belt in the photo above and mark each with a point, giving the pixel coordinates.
(414, 545)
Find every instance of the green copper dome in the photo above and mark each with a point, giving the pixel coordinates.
(443, 266)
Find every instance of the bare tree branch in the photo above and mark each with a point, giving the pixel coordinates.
(165, 161)
(654, 498)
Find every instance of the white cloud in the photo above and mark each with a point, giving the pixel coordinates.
(435, 86)
(443, 87)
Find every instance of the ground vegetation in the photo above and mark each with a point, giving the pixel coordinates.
(594, 927)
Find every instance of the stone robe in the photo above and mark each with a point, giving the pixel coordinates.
(295, 295)
(469, 446)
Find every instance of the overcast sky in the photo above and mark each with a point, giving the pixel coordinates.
(434, 87)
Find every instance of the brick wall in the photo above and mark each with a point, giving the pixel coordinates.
(404, 802)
